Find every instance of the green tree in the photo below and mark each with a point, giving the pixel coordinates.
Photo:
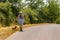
(54, 10)
(30, 15)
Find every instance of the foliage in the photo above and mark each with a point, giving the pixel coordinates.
(30, 15)
(35, 11)
(58, 20)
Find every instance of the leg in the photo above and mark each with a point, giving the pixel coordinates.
(20, 27)
(21, 24)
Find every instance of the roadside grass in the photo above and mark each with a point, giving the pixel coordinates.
(7, 31)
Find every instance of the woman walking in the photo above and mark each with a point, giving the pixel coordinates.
(21, 20)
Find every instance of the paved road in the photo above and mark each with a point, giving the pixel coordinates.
(40, 32)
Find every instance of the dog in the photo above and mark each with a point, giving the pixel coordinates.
(14, 28)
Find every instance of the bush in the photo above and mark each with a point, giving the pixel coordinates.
(58, 20)
(30, 15)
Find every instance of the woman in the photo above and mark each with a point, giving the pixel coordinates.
(21, 20)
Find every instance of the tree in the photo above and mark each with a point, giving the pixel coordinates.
(30, 15)
(54, 10)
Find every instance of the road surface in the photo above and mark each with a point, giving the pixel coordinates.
(40, 32)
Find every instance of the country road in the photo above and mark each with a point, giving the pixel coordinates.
(40, 32)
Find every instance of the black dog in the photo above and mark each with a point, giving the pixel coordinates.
(14, 28)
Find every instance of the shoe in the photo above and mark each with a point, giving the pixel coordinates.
(21, 30)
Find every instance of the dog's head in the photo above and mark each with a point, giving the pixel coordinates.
(14, 27)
